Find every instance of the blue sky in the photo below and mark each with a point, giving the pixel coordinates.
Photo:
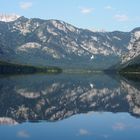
(91, 14)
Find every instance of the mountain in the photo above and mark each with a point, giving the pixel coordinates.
(54, 42)
(131, 60)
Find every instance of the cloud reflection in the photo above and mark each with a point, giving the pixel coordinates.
(84, 132)
(119, 126)
(23, 134)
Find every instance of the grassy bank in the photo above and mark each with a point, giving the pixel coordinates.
(10, 68)
(131, 72)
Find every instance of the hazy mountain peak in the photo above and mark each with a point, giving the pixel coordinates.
(8, 17)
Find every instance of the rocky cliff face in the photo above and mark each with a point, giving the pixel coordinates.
(133, 55)
(54, 42)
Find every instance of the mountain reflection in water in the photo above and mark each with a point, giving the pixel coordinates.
(56, 97)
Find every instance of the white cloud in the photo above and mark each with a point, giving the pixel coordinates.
(86, 10)
(23, 134)
(108, 7)
(121, 17)
(25, 5)
(84, 132)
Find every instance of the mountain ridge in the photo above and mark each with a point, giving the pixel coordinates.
(57, 43)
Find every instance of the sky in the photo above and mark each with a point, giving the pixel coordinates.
(109, 15)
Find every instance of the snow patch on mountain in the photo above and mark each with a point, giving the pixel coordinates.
(8, 18)
(61, 25)
(94, 38)
(137, 35)
(92, 57)
(30, 45)
(51, 52)
(117, 38)
(25, 26)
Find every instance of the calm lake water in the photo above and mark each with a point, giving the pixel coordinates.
(69, 107)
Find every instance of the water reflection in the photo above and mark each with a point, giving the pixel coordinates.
(52, 98)
(98, 107)
(56, 97)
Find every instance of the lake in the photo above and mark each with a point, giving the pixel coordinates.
(69, 107)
